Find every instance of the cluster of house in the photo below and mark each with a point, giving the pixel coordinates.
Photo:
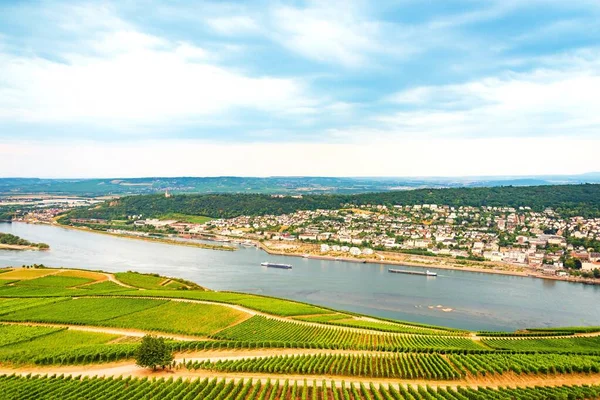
(517, 236)
(513, 235)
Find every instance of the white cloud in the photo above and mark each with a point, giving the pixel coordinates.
(126, 77)
(543, 102)
(234, 25)
(412, 157)
(333, 32)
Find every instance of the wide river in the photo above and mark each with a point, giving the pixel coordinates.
(478, 301)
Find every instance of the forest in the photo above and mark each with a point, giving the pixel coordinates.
(567, 200)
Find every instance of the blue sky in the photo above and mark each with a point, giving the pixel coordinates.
(299, 87)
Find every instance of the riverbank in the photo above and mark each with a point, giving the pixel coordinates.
(19, 247)
(146, 238)
(400, 259)
(381, 257)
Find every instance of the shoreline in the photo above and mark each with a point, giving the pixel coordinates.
(427, 261)
(142, 238)
(17, 247)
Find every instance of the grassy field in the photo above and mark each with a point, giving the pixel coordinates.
(179, 317)
(192, 219)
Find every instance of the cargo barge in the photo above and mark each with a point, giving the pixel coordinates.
(403, 271)
(276, 265)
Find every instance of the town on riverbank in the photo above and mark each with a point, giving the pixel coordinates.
(518, 240)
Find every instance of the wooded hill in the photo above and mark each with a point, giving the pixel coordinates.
(568, 200)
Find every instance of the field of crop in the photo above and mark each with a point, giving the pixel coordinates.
(268, 305)
(523, 334)
(102, 287)
(66, 388)
(10, 334)
(402, 366)
(574, 329)
(482, 364)
(376, 326)
(55, 281)
(555, 345)
(144, 281)
(323, 318)
(10, 305)
(259, 328)
(179, 317)
(82, 311)
(53, 343)
(26, 273)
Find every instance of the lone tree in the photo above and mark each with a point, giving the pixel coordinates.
(153, 352)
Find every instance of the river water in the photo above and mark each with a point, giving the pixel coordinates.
(478, 301)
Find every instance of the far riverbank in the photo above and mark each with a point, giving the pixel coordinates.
(431, 262)
(145, 238)
(393, 258)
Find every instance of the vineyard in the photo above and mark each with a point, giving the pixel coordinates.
(152, 315)
(68, 388)
(482, 364)
(402, 366)
(378, 326)
(285, 339)
(259, 329)
(589, 345)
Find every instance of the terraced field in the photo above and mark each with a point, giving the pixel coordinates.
(260, 328)
(555, 345)
(94, 319)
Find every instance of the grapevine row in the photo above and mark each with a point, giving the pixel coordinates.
(482, 364)
(68, 388)
(260, 329)
(405, 366)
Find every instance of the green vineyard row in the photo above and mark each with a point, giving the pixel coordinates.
(67, 388)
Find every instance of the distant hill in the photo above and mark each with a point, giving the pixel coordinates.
(269, 185)
(568, 200)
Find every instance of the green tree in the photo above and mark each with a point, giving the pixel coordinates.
(153, 352)
(573, 263)
(596, 273)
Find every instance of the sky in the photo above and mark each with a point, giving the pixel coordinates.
(312, 88)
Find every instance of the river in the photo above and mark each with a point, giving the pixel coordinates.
(478, 301)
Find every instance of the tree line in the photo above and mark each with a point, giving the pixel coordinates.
(567, 200)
